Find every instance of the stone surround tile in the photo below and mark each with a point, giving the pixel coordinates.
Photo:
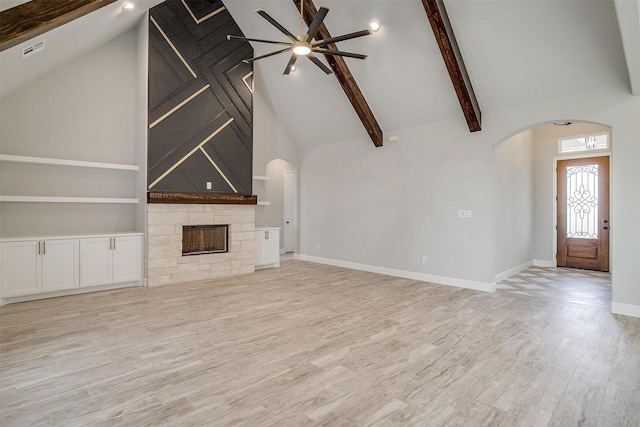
(166, 265)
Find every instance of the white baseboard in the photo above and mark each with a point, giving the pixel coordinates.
(515, 270)
(67, 292)
(625, 309)
(544, 263)
(423, 277)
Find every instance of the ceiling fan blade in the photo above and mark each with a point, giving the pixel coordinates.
(319, 63)
(247, 61)
(292, 61)
(247, 39)
(275, 23)
(342, 38)
(317, 21)
(338, 53)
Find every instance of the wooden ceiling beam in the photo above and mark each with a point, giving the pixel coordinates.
(346, 79)
(452, 57)
(36, 17)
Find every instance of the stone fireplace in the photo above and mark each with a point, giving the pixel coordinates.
(165, 262)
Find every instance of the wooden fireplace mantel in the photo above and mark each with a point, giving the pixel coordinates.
(201, 198)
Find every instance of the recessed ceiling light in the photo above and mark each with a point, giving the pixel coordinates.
(293, 68)
(127, 6)
(374, 25)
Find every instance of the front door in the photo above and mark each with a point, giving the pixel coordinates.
(583, 213)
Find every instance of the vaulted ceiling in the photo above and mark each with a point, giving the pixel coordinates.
(516, 52)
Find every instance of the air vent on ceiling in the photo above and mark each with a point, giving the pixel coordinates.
(34, 48)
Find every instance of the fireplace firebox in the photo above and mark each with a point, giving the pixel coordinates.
(205, 239)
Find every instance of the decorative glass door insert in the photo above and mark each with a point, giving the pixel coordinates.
(582, 201)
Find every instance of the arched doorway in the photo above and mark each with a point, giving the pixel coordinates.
(525, 206)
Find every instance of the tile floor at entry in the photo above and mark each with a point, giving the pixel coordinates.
(566, 285)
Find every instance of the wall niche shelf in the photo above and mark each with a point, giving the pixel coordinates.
(63, 162)
(40, 199)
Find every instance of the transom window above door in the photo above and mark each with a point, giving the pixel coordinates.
(574, 144)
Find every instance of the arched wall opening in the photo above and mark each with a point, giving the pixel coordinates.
(272, 213)
(524, 187)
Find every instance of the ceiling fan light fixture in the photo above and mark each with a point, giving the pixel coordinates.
(374, 25)
(302, 49)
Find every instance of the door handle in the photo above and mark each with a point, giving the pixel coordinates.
(605, 228)
(44, 248)
(39, 250)
(606, 221)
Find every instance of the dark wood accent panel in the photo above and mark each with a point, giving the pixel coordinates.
(174, 197)
(346, 79)
(453, 60)
(36, 17)
(200, 100)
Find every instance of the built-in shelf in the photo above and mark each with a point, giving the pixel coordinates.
(264, 203)
(39, 199)
(261, 178)
(63, 162)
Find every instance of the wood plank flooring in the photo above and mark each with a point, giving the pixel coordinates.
(309, 344)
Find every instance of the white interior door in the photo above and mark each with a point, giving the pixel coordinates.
(289, 211)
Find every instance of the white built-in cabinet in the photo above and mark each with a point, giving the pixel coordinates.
(107, 260)
(36, 266)
(39, 266)
(267, 247)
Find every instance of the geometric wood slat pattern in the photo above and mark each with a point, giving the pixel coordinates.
(200, 100)
(310, 344)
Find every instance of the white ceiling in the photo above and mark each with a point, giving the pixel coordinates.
(516, 52)
(67, 42)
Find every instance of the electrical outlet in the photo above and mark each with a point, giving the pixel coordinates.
(424, 259)
(208, 185)
(464, 214)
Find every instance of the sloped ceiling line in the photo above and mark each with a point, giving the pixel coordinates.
(452, 57)
(346, 79)
(36, 17)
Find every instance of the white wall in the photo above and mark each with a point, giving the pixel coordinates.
(513, 207)
(389, 206)
(85, 110)
(545, 151)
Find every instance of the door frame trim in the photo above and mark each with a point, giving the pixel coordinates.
(554, 247)
(284, 209)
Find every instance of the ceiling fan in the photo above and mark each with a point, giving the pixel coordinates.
(303, 45)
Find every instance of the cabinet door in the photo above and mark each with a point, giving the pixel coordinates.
(260, 247)
(20, 264)
(273, 246)
(127, 259)
(95, 261)
(60, 265)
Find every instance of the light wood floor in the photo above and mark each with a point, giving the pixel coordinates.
(309, 344)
